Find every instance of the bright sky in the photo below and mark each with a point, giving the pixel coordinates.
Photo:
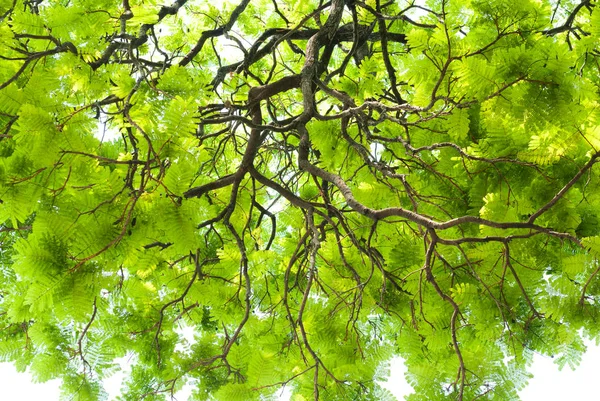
(548, 384)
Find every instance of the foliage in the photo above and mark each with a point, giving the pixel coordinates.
(309, 187)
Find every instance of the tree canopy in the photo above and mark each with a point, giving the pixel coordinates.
(310, 187)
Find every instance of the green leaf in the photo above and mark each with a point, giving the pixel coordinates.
(236, 196)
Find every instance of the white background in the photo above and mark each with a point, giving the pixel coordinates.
(548, 383)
